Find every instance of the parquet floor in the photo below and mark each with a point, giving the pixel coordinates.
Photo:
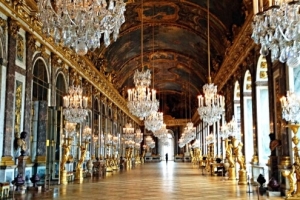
(153, 181)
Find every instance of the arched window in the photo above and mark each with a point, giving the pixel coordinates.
(60, 90)
(237, 108)
(263, 111)
(40, 82)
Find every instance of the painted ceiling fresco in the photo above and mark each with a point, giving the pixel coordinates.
(174, 41)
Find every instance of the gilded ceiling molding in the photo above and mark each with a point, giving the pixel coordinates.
(56, 62)
(237, 53)
(175, 122)
(25, 12)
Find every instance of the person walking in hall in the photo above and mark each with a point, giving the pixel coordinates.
(166, 157)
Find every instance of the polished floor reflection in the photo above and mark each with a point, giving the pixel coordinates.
(153, 181)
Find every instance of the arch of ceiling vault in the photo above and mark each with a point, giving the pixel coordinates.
(174, 44)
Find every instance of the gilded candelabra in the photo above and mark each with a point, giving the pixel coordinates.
(293, 193)
(291, 113)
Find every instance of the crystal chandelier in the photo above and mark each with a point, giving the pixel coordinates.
(141, 101)
(277, 29)
(115, 140)
(291, 108)
(150, 142)
(70, 129)
(210, 139)
(108, 139)
(87, 133)
(165, 140)
(229, 129)
(80, 24)
(161, 132)
(211, 106)
(154, 121)
(138, 136)
(75, 105)
(128, 132)
(189, 134)
(196, 144)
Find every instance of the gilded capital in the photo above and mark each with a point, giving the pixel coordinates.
(3, 23)
(31, 39)
(13, 28)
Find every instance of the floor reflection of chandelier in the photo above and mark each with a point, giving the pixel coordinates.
(81, 24)
(154, 121)
(75, 105)
(211, 106)
(291, 108)
(277, 29)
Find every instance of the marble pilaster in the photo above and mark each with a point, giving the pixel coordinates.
(10, 84)
(42, 129)
(28, 88)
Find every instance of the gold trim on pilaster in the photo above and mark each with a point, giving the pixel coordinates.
(7, 161)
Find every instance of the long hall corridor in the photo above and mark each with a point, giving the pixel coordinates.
(153, 181)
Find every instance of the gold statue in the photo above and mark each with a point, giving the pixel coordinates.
(65, 157)
(297, 171)
(237, 150)
(291, 177)
(82, 156)
(229, 155)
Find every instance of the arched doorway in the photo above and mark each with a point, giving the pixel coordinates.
(166, 146)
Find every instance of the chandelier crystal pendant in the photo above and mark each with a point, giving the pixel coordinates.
(211, 105)
(276, 29)
(291, 107)
(154, 121)
(75, 105)
(80, 24)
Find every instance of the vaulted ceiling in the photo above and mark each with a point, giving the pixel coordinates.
(174, 44)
